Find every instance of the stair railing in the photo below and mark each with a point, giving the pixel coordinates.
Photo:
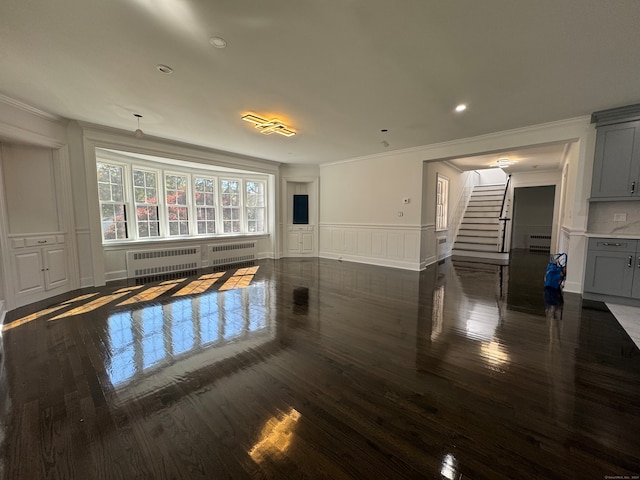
(502, 217)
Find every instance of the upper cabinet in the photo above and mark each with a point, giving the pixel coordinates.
(616, 167)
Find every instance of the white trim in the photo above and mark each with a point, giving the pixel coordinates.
(28, 108)
(376, 226)
(469, 145)
(373, 261)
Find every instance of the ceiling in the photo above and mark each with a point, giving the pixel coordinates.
(336, 71)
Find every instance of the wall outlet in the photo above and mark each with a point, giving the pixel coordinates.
(619, 217)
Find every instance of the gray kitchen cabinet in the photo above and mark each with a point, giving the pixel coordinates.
(616, 168)
(613, 268)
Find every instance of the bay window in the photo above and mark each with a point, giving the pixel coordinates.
(180, 202)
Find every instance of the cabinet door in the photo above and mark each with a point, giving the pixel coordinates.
(29, 271)
(55, 267)
(609, 273)
(293, 242)
(306, 243)
(616, 165)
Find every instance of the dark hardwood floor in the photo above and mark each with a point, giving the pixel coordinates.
(322, 369)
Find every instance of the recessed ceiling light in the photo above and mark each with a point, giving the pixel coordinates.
(164, 69)
(461, 108)
(218, 42)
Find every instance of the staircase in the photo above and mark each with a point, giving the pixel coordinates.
(479, 236)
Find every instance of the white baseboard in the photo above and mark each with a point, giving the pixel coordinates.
(372, 261)
(572, 287)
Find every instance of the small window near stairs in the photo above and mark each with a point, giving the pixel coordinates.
(442, 202)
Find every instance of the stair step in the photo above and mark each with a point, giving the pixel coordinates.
(485, 257)
(481, 220)
(483, 208)
(469, 232)
(475, 247)
(493, 240)
(480, 214)
(485, 201)
(481, 226)
(486, 198)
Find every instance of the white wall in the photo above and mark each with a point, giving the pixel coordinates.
(438, 244)
(363, 216)
(30, 189)
(491, 176)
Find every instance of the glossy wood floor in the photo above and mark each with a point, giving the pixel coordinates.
(320, 369)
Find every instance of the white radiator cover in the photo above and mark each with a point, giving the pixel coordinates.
(144, 263)
(230, 253)
(539, 243)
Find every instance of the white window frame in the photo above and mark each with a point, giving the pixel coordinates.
(128, 224)
(442, 202)
(247, 207)
(239, 207)
(214, 207)
(157, 205)
(160, 172)
(187, 205)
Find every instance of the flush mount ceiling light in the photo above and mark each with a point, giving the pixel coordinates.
(138, 133)
(268, 127)
(461, 108)
(166, 69)
(503, 162)
(218, 42)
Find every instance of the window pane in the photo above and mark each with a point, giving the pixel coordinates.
(104, 192)
(117, 193)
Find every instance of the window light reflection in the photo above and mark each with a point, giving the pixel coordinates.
(144, 338)
(276, 436)
(494, 353)
(449, 469)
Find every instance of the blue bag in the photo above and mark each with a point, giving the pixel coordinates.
(556, 271)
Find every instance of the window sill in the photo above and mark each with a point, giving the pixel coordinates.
(179, 241)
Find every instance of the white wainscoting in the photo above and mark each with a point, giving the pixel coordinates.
(573, 242)
(387, 245)
(83, 239)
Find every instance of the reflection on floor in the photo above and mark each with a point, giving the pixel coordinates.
(322, 369)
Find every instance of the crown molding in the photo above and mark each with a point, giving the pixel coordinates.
(12, 102)
(425, 150)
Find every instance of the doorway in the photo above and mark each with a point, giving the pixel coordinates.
(533, 210)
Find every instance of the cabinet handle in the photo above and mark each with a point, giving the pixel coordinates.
(638, 262)
(42, 241)
(607, 244)
(633, 188)
(42, 269)
(630, 261)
